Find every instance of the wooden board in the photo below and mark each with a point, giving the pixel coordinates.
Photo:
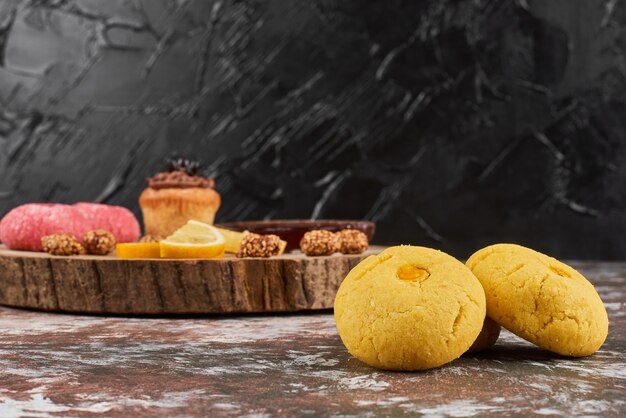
(107, 285)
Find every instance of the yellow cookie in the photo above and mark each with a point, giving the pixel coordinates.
(409, 308)
(541, 299)
(487, 337)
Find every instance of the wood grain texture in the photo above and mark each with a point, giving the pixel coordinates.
(92, 284)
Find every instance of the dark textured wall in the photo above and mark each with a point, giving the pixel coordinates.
(453, 124)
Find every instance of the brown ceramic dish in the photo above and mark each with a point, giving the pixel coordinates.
(292, 230)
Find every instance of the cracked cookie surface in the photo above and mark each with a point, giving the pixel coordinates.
(541, 299)
(409, 308)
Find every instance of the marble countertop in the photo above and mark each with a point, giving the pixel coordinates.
(285, 365)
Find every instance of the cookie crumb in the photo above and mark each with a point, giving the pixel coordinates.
(255, 245)
(99, 242)
(319, 242)
(353, 241)
(62, 244)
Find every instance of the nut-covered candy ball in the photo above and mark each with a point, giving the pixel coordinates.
(319, 242)
(255, 245)
(352, 241)
(62, 244)
(99, 242)
(150, 238)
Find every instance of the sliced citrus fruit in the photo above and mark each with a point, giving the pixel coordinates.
(232, 239)
(281, 247)
(194, 240)
(138, 250)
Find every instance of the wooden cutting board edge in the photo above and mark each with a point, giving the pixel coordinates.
(108, 285)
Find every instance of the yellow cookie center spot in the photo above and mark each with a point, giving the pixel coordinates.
(559, 272)
(411, 273)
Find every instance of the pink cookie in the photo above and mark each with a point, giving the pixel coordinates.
(116, 219)
(23, 227)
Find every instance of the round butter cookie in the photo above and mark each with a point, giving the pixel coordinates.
(541, 299)
(409, 308)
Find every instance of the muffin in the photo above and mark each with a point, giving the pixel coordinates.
(177, 196)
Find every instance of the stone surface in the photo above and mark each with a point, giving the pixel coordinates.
(453, 124)
(79, 366)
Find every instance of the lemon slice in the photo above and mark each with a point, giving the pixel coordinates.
(194, 240)
(138, 250)
(232, 239)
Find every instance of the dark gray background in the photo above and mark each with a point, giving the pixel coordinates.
(453, 124)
